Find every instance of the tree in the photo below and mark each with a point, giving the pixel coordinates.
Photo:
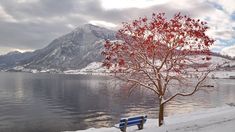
(159, 54)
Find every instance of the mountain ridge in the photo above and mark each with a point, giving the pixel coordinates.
(70, 51)
(74, 50)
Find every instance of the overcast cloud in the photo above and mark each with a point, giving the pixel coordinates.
(33, 24)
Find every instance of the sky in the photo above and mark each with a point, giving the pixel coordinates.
(26, 25)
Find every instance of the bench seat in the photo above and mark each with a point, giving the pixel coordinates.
(131, 121)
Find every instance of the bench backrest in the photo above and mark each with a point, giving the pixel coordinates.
(137, 120)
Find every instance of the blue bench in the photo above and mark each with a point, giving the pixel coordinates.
(131, 121)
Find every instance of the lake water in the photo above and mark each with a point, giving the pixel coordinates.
(57, 102)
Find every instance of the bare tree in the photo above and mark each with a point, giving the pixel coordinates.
(161, 54)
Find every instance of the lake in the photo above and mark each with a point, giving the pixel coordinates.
(55, 102)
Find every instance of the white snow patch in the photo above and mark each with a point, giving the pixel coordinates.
(92, 68)
(211, 120)
(222, 74)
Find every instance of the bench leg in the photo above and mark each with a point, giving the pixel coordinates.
(140, 126)
(123, 129)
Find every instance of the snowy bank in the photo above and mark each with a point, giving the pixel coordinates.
(211, 120)
(222, 74)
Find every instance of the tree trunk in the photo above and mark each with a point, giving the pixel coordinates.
(161, 114)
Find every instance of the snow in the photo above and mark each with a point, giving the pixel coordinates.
(220, 60)
(210, 120)
(97, 69)
(93, 68)
(222, 74)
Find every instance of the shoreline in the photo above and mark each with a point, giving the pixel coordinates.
(209, 120)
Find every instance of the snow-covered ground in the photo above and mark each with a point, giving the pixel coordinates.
(222, 74)
(97, 69)
(93, 68)
(212, 120)
(220, 60)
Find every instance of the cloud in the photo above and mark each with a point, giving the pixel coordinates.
(221, 25)
(227, 5)
(39, 8)
(26, 1)
(229, 51)
(103, 23)
(5, 50)
(32, 24)
(26, 25)
(70, 26)
(6, 17)
(123, 4)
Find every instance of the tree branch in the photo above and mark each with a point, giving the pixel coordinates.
(144, 85)
(188, 94)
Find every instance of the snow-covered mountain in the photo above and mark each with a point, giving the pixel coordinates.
(74, 50)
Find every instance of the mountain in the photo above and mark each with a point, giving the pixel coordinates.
(74, 50)
(13, 59)
(79, 49)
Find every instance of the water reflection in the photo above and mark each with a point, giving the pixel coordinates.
(19, 91)
(47, 102)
